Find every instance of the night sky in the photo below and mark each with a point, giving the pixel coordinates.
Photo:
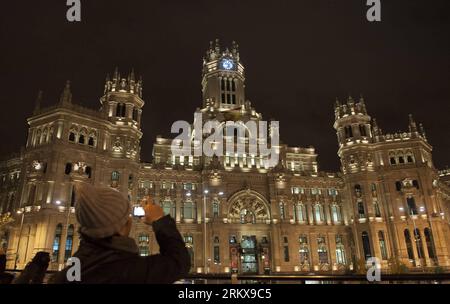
(299, 56)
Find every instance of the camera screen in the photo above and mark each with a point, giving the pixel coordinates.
(138, 211)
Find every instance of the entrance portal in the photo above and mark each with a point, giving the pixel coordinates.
(249, 255)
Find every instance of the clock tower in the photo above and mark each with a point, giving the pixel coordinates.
(223, 77)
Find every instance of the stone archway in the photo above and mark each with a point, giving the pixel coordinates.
(248, 207)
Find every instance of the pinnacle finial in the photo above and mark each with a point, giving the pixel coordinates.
(350, 99)
(412, 124)
(37, 105)
(116, 75)
(422, 130)
(217, 46)
(376, 129)
(66, 96)
(361, 98)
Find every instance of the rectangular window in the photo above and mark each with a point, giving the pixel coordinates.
(216, 254)
(286, 253)
(282, 211)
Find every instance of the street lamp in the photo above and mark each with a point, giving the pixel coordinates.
(205, 192)
(416, 239)
(22, 212)
(58, 203)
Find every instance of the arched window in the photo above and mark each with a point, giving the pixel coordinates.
(215, 208)
(362, 130)
(419, 244)
(68, 168)
(91, 141)
(300, 212)
(233, 85)
(411, 205)
(135, 114)
(88, 171)
(415, 183)
(366, 245)
(228, 84)
(336, 213)
(216, 250)
(56, 243)
(222, 84)
(340, 250)
(408, 242)
(318, 212)
(72, 136)
(409, 158)
(322, 250)
(361, 211)
(120, 110)
(304, 251)
(115, 176)
(169, 208)
(398, 186)
(286, 249)
(348, 131)
(358, 190)
(376, 206)
(382, 242)
(189, 210)
(430, 243)
(392, 160)
(81, 139)
(143, 244)
(374, 189)
(124, 109)
(69, 243)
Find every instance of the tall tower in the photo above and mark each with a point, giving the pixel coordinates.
(122, 104)
(354, 134)
(223, 77)
(353, 129)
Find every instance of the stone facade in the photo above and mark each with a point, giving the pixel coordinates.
(236, 212)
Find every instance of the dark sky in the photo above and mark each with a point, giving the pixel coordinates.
(299, 56)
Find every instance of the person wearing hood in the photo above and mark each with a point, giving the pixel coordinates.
(108, 255)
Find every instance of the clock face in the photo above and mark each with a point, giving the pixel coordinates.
(227, 64)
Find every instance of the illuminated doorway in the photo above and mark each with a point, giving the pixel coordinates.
(249, 257)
